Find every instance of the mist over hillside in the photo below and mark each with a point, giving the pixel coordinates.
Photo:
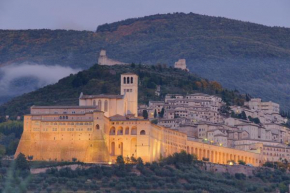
(249, 57)
(17, 79)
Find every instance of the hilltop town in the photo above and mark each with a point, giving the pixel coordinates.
(256, 126)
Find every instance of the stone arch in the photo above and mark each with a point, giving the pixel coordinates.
(120, 131)
(106, 105)
(133, 150)
(142, 132)
(113, 131)
(127, 131)
(97, 127)
(113, 148)
(134, 131)
(100, 105)
(121, 148)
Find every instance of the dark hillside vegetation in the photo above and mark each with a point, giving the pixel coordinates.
(106, 80)
(249, 57)
(182, 174)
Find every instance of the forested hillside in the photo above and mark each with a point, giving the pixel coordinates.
(106, 80)
(240, 55)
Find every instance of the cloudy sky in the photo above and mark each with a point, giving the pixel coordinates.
(88, 14)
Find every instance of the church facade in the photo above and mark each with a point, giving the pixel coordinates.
(105, 126)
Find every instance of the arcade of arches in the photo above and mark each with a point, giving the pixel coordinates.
(123, 141)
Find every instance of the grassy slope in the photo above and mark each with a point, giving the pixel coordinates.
(106, 80)
(249, 57)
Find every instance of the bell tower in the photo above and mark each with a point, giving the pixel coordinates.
(129, 88)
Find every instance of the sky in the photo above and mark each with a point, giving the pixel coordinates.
(88, 14)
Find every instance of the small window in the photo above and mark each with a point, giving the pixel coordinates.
(131, 80)
(142, 132)
(97, 126)
(124, 80)
(128, 80)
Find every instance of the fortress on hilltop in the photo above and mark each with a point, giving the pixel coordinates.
(181, 64)
(105, 126)
(104, 60)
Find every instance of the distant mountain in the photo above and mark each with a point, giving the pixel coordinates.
(251, 58)
(106, 80)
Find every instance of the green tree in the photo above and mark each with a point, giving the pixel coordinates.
(145, 114)
(21, 162)
(241, 162)
(120, 160)
(243, 115)
(162, 113)
(2, 150)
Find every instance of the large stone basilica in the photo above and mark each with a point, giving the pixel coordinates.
(105, 126)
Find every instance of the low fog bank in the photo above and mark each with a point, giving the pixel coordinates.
(17, 79)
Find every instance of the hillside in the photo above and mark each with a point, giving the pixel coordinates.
(106, 80)
(178, 173)
(240, 55)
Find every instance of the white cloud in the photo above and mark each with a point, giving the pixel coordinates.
(37, 76)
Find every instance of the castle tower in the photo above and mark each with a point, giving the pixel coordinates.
(129, 87)
(181, 64)
(102, 60)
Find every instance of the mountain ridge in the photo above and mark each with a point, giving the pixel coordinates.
(251, 58)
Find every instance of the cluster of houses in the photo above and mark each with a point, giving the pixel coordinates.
(256, 126)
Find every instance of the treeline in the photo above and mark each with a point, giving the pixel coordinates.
(10, 133)
(106, 80)
(180, 172)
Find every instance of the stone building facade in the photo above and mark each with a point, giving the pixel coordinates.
(105, 126)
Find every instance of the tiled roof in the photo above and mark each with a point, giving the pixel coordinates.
(63, 107)
(102, 96)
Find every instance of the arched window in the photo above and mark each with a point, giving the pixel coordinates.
(131, 80)
(112, 131)
(97, 127)
(134, 131)
(100, 105)
(106, 105)
(66, 117)
(124, 80)
(120, 131)
(142, 132)
(60, 117)
(127, 131)
(94, 103)
(128, 80)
